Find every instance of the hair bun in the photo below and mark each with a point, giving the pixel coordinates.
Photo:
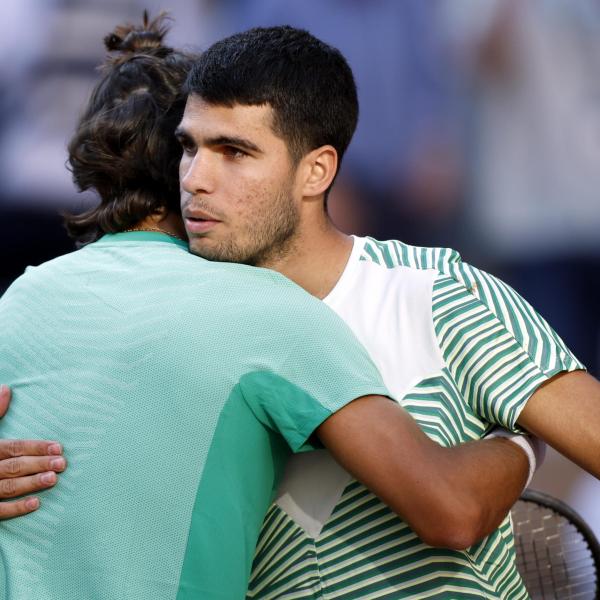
(139, 38)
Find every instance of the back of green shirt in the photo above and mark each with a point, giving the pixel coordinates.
(178, 388)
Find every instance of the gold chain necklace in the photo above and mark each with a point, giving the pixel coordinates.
(159, 231)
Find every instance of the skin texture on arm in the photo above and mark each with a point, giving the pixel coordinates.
(451, 497)
(565, 413)
(26, 466)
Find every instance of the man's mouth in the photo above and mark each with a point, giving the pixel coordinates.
(198, 222)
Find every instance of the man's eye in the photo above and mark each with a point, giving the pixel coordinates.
(187, 146)
(232, 152)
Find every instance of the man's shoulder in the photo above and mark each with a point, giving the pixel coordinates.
(386, 274)
(34, 275)
(394, 254)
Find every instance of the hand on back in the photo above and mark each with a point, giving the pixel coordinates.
(26, 466)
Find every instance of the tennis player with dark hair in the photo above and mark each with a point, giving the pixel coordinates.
(178, 386)
(94, 341)
(269, 115)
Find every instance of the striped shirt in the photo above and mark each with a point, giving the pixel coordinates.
(462, 352)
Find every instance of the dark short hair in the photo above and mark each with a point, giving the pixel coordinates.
(124, 147)
(308, 84)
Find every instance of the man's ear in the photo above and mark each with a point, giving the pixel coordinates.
(318, 170)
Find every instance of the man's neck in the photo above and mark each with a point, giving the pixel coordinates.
(169, 223)
(317, 259)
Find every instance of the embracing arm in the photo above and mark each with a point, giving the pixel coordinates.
(25, 466)
(451, 497)
(565, 413)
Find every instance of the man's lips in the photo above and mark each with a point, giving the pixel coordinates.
(199, 225)
(199, 222)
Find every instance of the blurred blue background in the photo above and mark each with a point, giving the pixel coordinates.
(479, 129)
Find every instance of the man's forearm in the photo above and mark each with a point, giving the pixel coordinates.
(493, 473)
(565, 413)
(451, 497)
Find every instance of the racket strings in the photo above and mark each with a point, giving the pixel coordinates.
(553, 556)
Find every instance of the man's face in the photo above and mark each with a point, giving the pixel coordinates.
(237, 182)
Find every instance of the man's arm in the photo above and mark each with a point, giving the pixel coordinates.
(565, 413)
(26, 466)
(451, 497)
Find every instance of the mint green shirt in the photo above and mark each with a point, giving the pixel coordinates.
(178, 387)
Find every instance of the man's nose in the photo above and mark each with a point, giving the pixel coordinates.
(197, 173)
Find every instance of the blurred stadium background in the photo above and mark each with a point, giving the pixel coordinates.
(479, 129)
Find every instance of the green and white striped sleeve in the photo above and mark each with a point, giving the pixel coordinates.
(497, 348)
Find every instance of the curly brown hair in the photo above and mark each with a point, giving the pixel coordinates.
(124, 147)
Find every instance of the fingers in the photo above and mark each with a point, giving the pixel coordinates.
(17, 508)
(13, 487)
(30, 465)
(14, 448)
(4, 399)
(27, 466)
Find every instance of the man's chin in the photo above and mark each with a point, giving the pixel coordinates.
(202, 249)
(208, 250)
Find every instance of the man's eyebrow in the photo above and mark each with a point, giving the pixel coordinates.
(238, 142)
(222, 140)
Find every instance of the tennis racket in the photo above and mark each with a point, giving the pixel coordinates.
(558, 556)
